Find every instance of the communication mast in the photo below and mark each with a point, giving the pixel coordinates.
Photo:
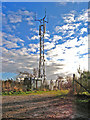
(42, 30)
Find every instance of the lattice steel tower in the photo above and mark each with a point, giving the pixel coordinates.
(42, 30)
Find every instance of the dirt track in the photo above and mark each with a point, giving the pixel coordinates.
(38, 106)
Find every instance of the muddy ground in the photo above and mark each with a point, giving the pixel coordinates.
(45, 107)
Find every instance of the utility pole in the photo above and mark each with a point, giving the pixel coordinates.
(42, 30)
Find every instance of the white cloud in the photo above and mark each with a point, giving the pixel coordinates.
(20, 59)
(34, 45)
(83, 17)
(47, 36)
(67, 28)
(32, 50)
(35, 37)
(9, 44)
(83, 30)
(12, 38)
(69, 18)
(63, 29)
(73, 23)
(10, 41)
(25, 12)
(30, 23)
(48, 45)
(18, 17)
(56, 37)
(34, 30)
(14, 18)
(70, 56)
(29, 19)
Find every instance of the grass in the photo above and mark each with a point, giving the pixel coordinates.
(82, 98)
(82, 101)
(83, 93)
(54, 92)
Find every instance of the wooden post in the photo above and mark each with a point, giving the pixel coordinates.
(73, 81)
(81, 82)
(76, 88)
(36, 83)
(41, 85)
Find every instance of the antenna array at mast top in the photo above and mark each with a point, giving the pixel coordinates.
(41, 20)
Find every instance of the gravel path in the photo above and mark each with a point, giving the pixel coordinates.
(38, 106)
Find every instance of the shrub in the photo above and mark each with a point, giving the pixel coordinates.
(9, 93)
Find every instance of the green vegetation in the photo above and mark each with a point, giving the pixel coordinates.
(83, 97)
(82, 101)
(58, 92)
(83, 93)
(86, 93)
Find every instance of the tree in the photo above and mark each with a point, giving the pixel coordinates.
(84, 78)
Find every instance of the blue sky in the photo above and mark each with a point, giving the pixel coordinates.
(66, 38)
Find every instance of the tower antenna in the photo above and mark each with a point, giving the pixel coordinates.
(42, 30)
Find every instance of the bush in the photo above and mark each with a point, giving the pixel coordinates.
(10, 93)
(5, 93)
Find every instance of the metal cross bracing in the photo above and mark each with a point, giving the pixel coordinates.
(42, 30)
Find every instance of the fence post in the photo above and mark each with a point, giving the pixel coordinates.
(73, 81)
(81, 83)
